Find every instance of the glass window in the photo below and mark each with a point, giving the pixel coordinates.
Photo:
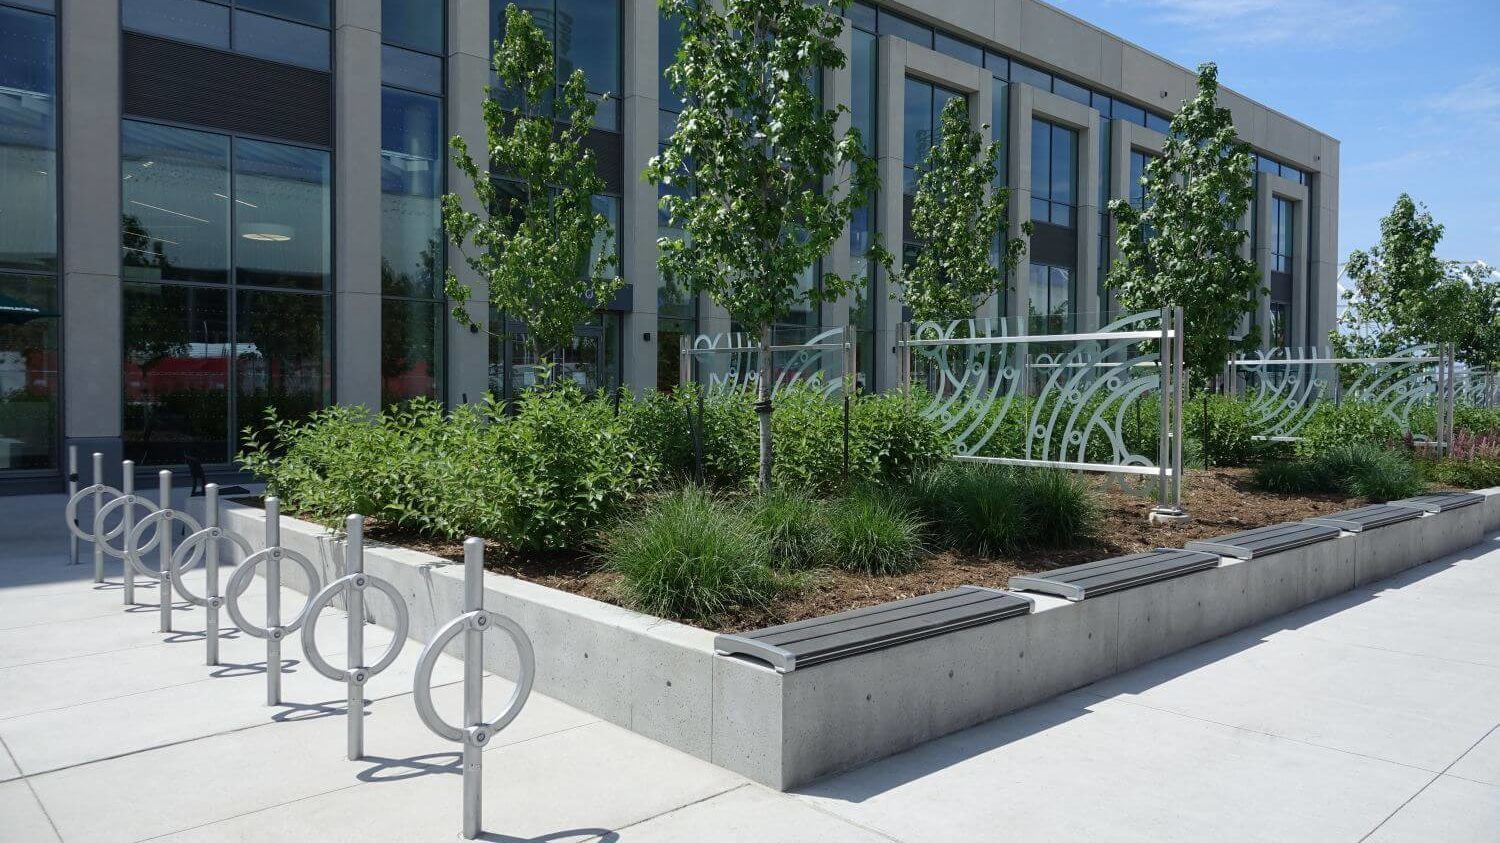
(1054, 168)
(1101, 103)
(1000, 129)
(282, 215)
(1051, 292)
(961, 50)
(1282, 234)
(176, 378)
(415, 24)
(1129, 113)
(921, 125)
(609, 208)
(411, 343)
(1030, 75)
(1067, 90)
(28, 141)
(902, 28)
(669, 41)
(185, 20)
(315, 12)
(862, 15)
(281, 354)
(280, 40)
(1138, 162)
(591, 359)
(1278, 324)
(29, 393)
(417, 71)
(39, 5)
(997, 65)
(1158, 123)
(411, 186)
(585, 35)
(174, 220)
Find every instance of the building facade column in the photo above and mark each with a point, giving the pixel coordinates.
(356, 189)
(468, 72)
(890, 216)
(1018, 300)
(92, 317)
(1262, 258)
(838, 89)
(640, 104)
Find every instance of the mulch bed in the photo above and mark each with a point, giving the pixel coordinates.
(1220, 501)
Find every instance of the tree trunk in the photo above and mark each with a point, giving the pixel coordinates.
(763, 407)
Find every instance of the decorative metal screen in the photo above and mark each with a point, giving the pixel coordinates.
(729, 361)
(1106, 401)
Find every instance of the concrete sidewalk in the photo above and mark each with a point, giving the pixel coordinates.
(1372, 716)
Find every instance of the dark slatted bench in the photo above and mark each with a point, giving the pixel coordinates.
(1092, 579)
(1264, 541)
(1367, 517)
(805, 643)
(1440, 502)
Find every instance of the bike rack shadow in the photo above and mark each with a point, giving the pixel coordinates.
(416, 766)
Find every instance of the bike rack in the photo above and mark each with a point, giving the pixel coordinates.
(96, 490)
(273, 632)
(165, 574)
(356, 581)
(210, 536)
(476, 732)
(72, 492)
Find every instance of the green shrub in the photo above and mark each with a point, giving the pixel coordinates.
(664, 425)
(871, 530)
(1475, 473)
(990, 509)
(793, 525)
(891, 438)
(1229, 439)
(1357, 469)
(1287, 477)
(1348, 422)
(690, 556)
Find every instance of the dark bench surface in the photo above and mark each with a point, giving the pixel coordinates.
(1441, 502)
(1264, 541)
(804, 643)
(1092, 579)
(1367, 517)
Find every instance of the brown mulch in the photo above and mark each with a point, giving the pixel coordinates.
(1219, 500)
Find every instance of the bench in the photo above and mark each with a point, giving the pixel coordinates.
(1264, 541)
(1442, 502)
(1367, 517)
(805, 643)
(1092, 579)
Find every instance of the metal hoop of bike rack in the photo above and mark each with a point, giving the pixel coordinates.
(210, 537)
(356, 581)
(166, 572)
(96, 490)
(274, 631)
(476, 732)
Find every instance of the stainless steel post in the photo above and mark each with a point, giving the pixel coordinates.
(1180, 345)
(273, 602)
(127, 570)
(164, 559)
(473, 686)
(354, 563)
(1164, 403)
(72, 490)
(684, 361)
(98, 504)
(211, 574)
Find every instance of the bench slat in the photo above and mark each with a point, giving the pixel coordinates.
(1264, 541)
(1092, 579)
(1367, 517)
(1440, 502)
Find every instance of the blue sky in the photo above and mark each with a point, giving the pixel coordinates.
(1411, 88)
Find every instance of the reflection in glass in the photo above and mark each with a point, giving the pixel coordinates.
(28, 140)
(591, 360)
(177, 349)
(315, 12)
(411, 342)
(282, 215)
(29, 327)
(1054, 168)
(280, 40)
(411, 242)
(417, 24)
(417, 71)
(1051, 293)
(194, 21)
(175, 204)
(585, 35)
(281, 354)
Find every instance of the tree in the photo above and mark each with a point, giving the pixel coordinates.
(748, 161)
(1405, 295)
(956, 212)
(1183, 247)
(531, 242)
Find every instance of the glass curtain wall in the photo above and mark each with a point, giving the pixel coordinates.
(1054, 174)
(864, 65)
(413, 313)
(29, 300)
(585, 35)
(288, 31)
(676, 306)
(226, 268)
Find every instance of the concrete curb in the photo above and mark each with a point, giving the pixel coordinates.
(662, 680)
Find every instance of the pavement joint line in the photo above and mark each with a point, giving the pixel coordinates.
(816, 806)
(1262, 732)
(357, 783)
(169, 744)
(36, 797)
(53, 623)
(1423, 788)
(684, 806)
(1465, 662)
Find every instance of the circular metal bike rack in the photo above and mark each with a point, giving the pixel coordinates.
(209, 538)
(95, 491)
(476, 732)
(274, 631)
(354, 582)
(161, 517)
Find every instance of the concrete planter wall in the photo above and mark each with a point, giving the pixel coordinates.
(662, 679)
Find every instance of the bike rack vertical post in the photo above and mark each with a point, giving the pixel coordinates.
(164, 558)
(1164, 385)
(354, 563)
(1179, 353)
(273, 631)
(98, 505)
(183, 558)
(72, 490)
(127, 571)
(476, 732)
(273, 601)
